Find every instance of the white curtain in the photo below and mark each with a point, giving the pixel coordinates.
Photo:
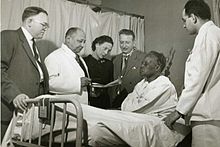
(216, 11)
(137, 25)
(64, 14)
(110, 24)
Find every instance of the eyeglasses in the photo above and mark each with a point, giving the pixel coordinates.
(44, 25)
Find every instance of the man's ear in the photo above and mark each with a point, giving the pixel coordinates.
(67, 38)
(194, 18)
(29, 21)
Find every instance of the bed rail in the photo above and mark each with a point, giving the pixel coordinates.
(81, 125)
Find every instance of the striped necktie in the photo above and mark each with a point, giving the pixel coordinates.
(81, 64)
(36, 56)
(124, 63)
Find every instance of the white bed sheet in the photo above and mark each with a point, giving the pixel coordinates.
(137, 130)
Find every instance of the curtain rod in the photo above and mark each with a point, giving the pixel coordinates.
(106, 8)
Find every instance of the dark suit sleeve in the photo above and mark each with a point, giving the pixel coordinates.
(8, 88)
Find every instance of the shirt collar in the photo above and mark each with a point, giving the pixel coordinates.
(127, 55)
(27, 34)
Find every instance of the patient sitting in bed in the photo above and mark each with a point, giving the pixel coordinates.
(155, 96)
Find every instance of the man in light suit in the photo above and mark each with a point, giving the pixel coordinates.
(22, 71)
(126, 66)
(200, 99)
(68, 73)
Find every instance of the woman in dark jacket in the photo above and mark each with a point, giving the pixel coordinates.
(100, 70)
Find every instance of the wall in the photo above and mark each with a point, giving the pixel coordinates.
(163, 29)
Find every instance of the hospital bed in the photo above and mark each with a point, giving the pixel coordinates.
(47, 111)
(136, 130)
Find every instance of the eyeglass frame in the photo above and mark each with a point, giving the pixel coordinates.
(44, 25)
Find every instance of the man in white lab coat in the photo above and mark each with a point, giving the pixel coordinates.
(200, 98)
(68, 73)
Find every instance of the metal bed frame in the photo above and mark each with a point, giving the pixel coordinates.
(81, 129)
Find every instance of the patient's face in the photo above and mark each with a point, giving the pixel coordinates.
(149, 67)
(126, 43)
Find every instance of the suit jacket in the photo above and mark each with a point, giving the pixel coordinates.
(65, 73)
(131, 76)
(19, 71)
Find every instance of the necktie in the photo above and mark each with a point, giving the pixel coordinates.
(36, 56)
(81, 64)
(124, 64)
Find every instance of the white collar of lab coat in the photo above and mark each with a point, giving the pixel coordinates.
(205, 26)
(68, 50)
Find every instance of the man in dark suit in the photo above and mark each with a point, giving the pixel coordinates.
(23, 73)
(126, 66)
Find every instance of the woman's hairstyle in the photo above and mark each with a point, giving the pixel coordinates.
(127, 32)
(32, 11)
(198, 8)
(100, 40)
(161, 59)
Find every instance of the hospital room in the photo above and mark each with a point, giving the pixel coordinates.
(110, 73)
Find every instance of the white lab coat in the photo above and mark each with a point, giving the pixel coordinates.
(201, 95)
(65, 73)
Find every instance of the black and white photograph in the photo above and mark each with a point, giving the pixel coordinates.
(110, 73)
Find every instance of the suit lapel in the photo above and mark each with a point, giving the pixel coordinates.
(118, 62)
(26, 47)
(85, 66)
(131, 62)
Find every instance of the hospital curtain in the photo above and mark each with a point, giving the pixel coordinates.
(64, 14)
(216, 12)
(137, 25)
(110, 24)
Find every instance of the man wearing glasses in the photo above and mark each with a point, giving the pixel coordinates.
(23, 73)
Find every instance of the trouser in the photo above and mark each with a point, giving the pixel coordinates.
(206, 133)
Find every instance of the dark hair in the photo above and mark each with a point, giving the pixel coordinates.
(127, 32)
(198, 8)
(32, 11)
(161, 59)
(71, 31)
(100, 40)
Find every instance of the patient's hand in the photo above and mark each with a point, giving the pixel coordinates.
(171, 119)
